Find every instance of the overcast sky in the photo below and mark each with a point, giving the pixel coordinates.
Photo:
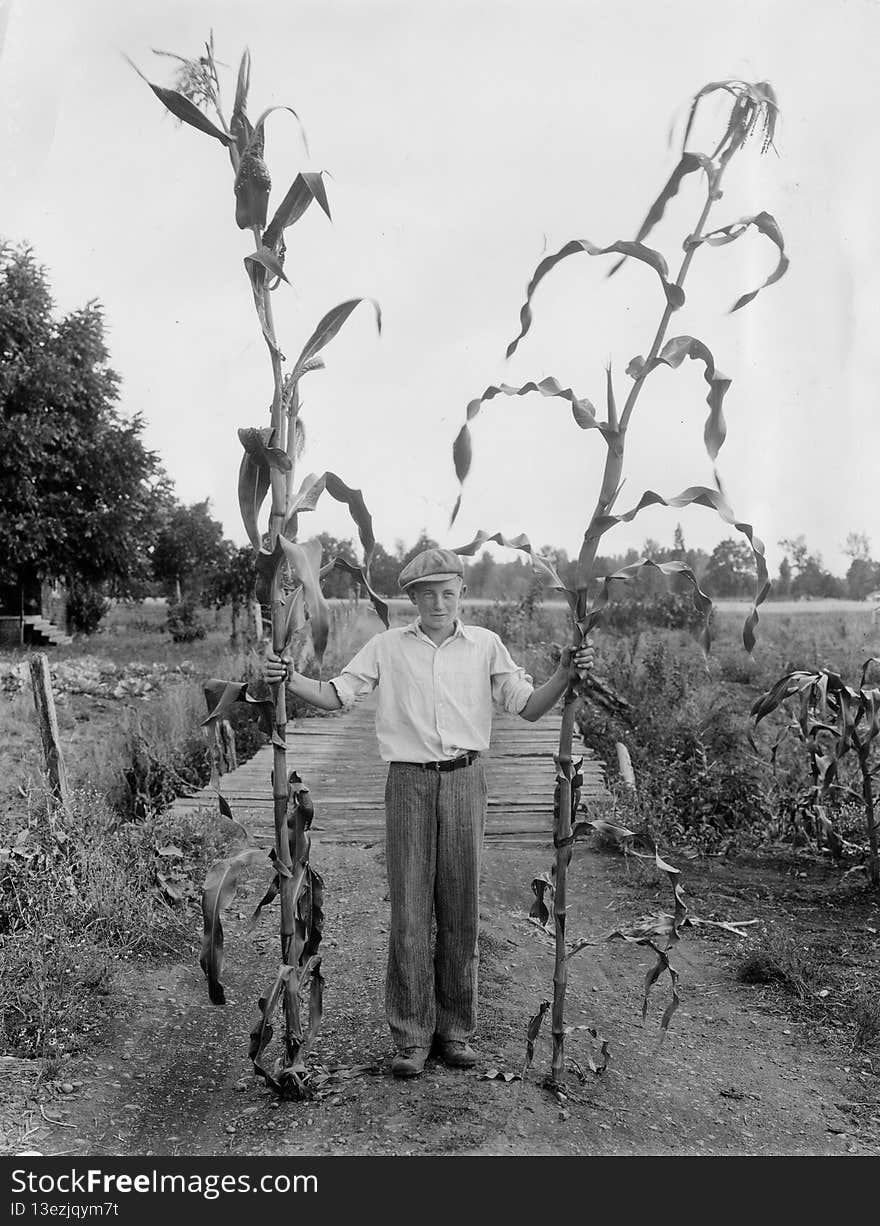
(464, 140)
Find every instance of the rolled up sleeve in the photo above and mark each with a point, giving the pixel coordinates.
(360, 676)
(511, 685)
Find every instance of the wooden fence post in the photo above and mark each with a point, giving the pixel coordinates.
(44, 701)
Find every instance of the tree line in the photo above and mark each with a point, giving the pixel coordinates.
(84, 500)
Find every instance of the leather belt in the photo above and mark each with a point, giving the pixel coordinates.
(448, 764)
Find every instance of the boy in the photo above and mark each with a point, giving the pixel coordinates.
(437, 679)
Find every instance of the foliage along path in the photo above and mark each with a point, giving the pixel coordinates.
(734, 1075)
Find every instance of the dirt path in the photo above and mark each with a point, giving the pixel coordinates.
(734, 1076)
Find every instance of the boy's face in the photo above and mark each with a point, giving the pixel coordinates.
(438, 602)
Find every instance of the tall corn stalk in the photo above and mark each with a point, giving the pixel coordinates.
(288, 572)
(754, 109)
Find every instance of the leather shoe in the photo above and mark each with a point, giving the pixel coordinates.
(456, 1053)
(409, 1061)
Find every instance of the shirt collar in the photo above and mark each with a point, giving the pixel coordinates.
(460, 631)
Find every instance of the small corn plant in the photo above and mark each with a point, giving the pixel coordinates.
(753, 110)
(289, 572)
(835, 722)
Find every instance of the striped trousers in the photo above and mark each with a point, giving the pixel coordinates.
(434, 826)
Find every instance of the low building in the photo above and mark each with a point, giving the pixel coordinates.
(33, 613)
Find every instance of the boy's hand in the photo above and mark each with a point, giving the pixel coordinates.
(578, 660)
(275, 668)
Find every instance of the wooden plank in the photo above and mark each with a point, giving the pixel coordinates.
(338, 758)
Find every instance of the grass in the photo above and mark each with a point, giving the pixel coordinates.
(781, 958)
(78, 890)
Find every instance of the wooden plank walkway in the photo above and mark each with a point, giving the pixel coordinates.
(338, 758)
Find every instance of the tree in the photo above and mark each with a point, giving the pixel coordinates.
(424, 542)
(338, 583)
(384, 569)
(189, 549)
(784, 582)
(863, 575)
(232, 583)
(730, 568)
(82, 495)
(811, 579)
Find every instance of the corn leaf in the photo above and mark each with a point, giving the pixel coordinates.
(542, 908)
(701, 601)
(673, 354)
(261, 1034)
(221, 696)
(522, 543)
(674, 293)
(700, 495)
(267, 258)
(184, 110)
(305, 563)
(253, 485)
(359, 574)
(766, 224)
(306, 187)
(328, 327)
(688, 163)
(311, 490)
(582, 410)
(532, 1032)
(220, 883)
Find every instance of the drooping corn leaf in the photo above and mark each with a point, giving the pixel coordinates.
(522, 543)
(312, 489)
(305, 562)
(673, 354)
(220, 883)
(267, 258)
(688, 163)
(306, 187)
(766, 224)
(532, 1032)
(310, 912)
(329, 326)
(221, 696)
(701, 495)
(542, 909)
(360, 576)
(257, 444)
(184, 110)
(582, 410)
(261, 1034)
(701, 601)
(253, 485)
(647, 255)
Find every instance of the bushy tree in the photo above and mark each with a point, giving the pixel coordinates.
(863, 575)
(232, 584)
(729, 570)
(82, 495)
(189, 550)
(811, 579)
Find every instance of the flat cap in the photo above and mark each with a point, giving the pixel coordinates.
(431, 566)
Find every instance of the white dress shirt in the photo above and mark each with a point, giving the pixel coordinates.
(434, 702)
